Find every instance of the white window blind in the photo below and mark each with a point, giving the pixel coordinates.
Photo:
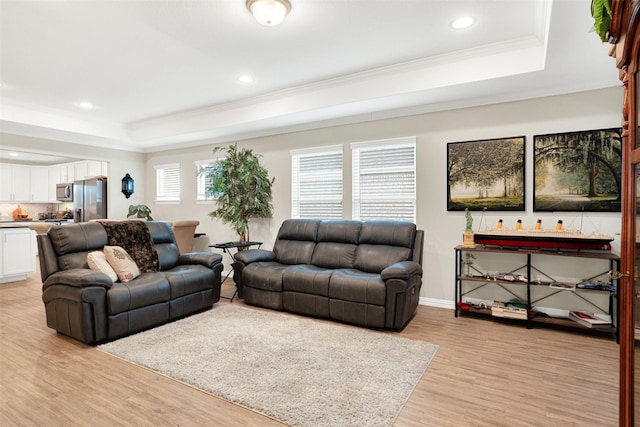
(384, 179)
(203, 181)
(316, 183)
(168, 183)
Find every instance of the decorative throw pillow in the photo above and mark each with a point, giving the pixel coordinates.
(98, 262)
(122, 263)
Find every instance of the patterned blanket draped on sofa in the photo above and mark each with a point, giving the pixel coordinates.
(135, 238)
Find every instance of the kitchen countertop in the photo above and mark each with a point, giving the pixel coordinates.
(15, 224)
(8, 223)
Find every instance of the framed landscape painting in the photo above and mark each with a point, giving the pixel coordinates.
(486, 175)
(578, 171)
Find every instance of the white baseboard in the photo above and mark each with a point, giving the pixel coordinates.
(440, 303)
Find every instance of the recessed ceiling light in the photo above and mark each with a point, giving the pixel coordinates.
(245, 79)
(86, 105)
(462, 22)
(14, 154)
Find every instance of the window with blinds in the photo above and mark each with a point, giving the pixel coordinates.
(203, 181)
(384, 179)
(316, 183)
(168, 183)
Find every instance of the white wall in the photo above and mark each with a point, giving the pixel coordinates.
(582, 111)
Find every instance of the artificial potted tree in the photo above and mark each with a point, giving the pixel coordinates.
(242, 188)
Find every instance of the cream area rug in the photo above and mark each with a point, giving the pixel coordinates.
(297, 370)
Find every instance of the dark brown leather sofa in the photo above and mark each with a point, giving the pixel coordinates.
(88, 306)
(365, 273)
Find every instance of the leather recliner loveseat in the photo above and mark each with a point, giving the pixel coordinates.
(365, 273)
(89, 306)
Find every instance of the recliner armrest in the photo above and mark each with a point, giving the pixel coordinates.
(78, 278)
(401, 270)
(207, 259)
(254, 255)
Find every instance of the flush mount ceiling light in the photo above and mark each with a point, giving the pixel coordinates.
(245, 79)
(269, 12)
(85, 105)
(463, 22)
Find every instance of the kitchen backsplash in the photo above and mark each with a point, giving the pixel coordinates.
(33, 209)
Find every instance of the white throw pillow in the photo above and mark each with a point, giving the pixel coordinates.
(124, 266)
(98, 262)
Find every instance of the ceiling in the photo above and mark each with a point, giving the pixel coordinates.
(163, 74)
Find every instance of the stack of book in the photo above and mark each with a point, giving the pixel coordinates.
(508, 310)
(590, 320)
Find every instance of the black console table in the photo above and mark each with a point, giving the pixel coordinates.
(227, 247)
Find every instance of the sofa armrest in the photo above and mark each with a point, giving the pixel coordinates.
(401, 270)
(78, 312)
(207, 259)
(78, 278)
(254, 255)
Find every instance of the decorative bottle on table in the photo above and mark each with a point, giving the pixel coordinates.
(467, 236)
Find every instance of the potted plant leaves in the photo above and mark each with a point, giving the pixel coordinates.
(241, 186)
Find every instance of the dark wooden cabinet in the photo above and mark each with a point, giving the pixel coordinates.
(624, 35)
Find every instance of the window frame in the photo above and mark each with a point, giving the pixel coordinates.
(356, 197)
(201, 181)
(296, 197)
(161, 193)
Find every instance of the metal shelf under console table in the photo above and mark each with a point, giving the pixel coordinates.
(518, 281)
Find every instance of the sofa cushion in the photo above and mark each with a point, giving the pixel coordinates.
(296, 241)
(388, 232)
(145, 290)
(308, 279)
(293, 251)
(71, 243)
(382, 243)
(122, 263)
(375, 258)
(189, 279)
(264, 275)
(334, 255)
(340, 231)
(98, 262)
(74, 238)
(357, 286)
(337, 244)
(164, 244)
(299, 229)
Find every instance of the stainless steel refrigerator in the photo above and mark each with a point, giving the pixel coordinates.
(90, 199)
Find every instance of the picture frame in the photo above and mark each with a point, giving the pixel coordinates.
(578, 171)
(486, 175)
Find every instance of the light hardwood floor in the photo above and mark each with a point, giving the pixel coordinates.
(486, 373)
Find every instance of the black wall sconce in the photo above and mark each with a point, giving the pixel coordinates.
(127, 186)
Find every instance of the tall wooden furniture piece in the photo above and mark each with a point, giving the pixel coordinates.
(624, 35)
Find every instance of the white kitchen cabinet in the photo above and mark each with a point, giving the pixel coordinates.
(17, 253)
(55, 173)
(67, 172)
(39, 183)
(96, 168)
(14, 183)
(81, 170)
